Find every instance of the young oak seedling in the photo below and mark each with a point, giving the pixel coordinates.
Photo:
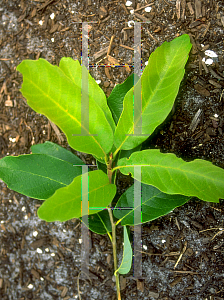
(53, 174)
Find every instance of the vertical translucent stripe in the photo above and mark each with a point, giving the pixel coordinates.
(85, 82)
(137, 220)
(137, 88)
(85, 222)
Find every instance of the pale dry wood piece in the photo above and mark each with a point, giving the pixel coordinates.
(45, 4)
(112, 60)
(184, 272)
(204, 66)
(140, 286)
(126, 47)
(152, 36)
(142, 17)
(181, 254)
(122, 282)
(64, 291)
(222, 20)
(178, 9)
(198, 13)
(206, 30)
(200, 64)
(107, 73)
(215, 75)
(54, 28)
(216, 84)
(183, 5)
(177, 223)
(109, 48)
(176, 281)
(100, 53)
(102, 12)
(35, 273)
(56, 130)
(196, 120)
(125, 8)
(140, 8)
(190, 8)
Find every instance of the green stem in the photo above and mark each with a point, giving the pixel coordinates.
(115, 253)
(113, 225)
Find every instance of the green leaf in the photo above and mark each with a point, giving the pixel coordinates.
(127, 255)
(154, 204)
(115, 100)
(159, 85)
(55, 150)
(172, 175)
(66, 202)
(100, 222)
(37, 175)
(51, 92)
(73, 70)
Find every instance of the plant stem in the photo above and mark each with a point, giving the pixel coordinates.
(113, 225)
(114, 252)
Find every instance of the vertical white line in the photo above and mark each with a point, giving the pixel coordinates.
(137, 87)
(85, 82)
(137, 220)
(85, 222)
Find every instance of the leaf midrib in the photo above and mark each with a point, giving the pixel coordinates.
(143, 109)
(172, 168)
(66, 112)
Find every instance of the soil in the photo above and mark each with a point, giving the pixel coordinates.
(40, 260)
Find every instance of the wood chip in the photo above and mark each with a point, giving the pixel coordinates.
(140, 286)
(222, 20)
(198, 13)
(216, 84)
(183, 5)
(35, 274)
(201, 90)
(153, 294)
(112, 60)
(195, 120)
(54, 28)
(190, 8)
(123, 283)
(178, 9)
(100, 53)
(64, 291)
(57, 131)
(176, 281)
(107, 72)
(102, 12)
(141, 17)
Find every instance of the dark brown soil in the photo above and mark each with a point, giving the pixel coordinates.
(47, 266)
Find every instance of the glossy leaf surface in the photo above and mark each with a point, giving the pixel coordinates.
(116, 98)
(55, 150)
(100, 222)
(172, 175)
(51, 92)
(37, 175)
(154, 204)
(66, 202)
(159, 85)
(73, 70)
(127, 255)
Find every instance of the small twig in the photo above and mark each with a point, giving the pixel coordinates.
(56, 130)
(79, 293)
(109, 48)
(181, 254)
